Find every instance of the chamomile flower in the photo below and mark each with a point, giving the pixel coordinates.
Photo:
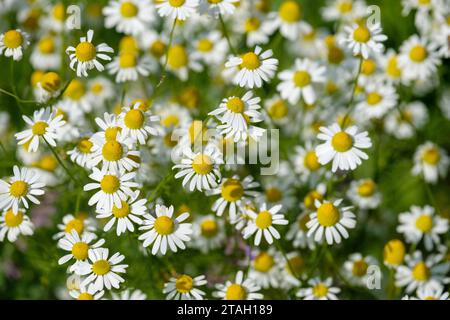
(394, 253)
(82, 153)
(420, 272)
(364, 194)
(200, 170)
(216, 7)
(432, 293)
(79, 223)
(423, 223)
(264, 269)
(356, 268)
(291, 269)
(389, 62)
(240, 289)
(344, 10)
(210, 48)
(129, 295)
(364, 39)
(89, 292)
(319, 290)
(177, 9)
(76, 99)
(22, 187)
(48, 87)
(13, 42)
(418, 58)
(46, 54)
(13, 224)
(100, 90)
(306, 162)
(137, 123)
(78, 246)
(404, 122)
(208, 233)
(128, 66)
(378, 99)
(109, 125)
(115, 187)
(298, 233)
(131, 212)
(262, 223)
(129, 16)
(253, 68)
(431, 162)
(330, 221)
(184, 287)
(342, 146)
(255, 29)
(101, 270)
(165, 230)
(85, 55)
(298, 82)
(288, 20)
(180, 60)
(43, 124)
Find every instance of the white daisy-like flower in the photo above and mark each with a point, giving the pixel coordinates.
(109, 125)
(418, 58)
(13, 42)
(129, 295)
(264, 269)
(253, 26)
(431, 162)
(44, 123)
(75, 99)
(13, 224)
(210, 48)
(379, 98)
(128, 66)
(319, 290)
(100, 90)
(330, 221)
(78, 246)
(234, 195)
(89, 292)
(184, 287)
(247, 134)
(420, 273)
(115, 154)
(180, 60)
(165, 231)
(46, 54)
(102, 271)
(200, 170)
(306, 162)
(298, 82)
(262, 223)
(208, 233)
(138, 123)
(404, 122)
(177, 9)
(81, 154)
(432, 293)
(129, 16)
(253, 68)
(356, 268)
(364, 39)
(298, 233)
(240, 289)
(79, 223)
(290, 270)
(22, 187)
(216, 7)
(115, 187)
(422, 223)
(344, 10)
(389, 63)
(131, 212)
(364, 194)
(85, 55)
(342, 147)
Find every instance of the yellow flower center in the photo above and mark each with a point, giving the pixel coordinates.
(263, 220)
(278, 110)
(295, 265)
(366, 188)
(184, 284)
(302, 78)
(215, 1)
(59, 12)
(303, 221)
(236, 292)
(342, 141)
(420, 272)
(112, 150)
(85, 296)
(46, 45)
(424, 2)
(335, 54)
(359, 268)
(177, 56)
(236, 105)
(18, 189)
(328, 215)
(394, 252)
(110, 184)
(392, 68)
(128, 44)
(431, 156)
(176, 3)
(320, 290)
(111, 133)
(311, 161)
(252, 24)
(101, 267)
(263, 262)
(85, 51)
(202, 164)
(13, 220)
(209, 228)
(170, 120)
(424, 223)
(157, 48)
(250, 61)
(205, 45)
(48, 163)
(39, 128)
(373, 98)
(361, 34)
(127, 60)
(418, 53)
(197, 130)
(232, 190)
(345, 7)
(274, 195)
(75, 90)
(74, 224)
(122, 212)
(310, 197)
(289, 11)
(134, 119)
(84, 145)
(168, 140)
(128, 9)
(80, 250)
(368, 67)
(164, 225)
(13, 39)
(51, 81)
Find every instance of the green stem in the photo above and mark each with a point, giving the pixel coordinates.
(3, 148)
(166, 60)
(432, 198)
(52, 149)
(18, 99)
(280, 248)
(350, 106)
(161, 184)
(225, 34)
